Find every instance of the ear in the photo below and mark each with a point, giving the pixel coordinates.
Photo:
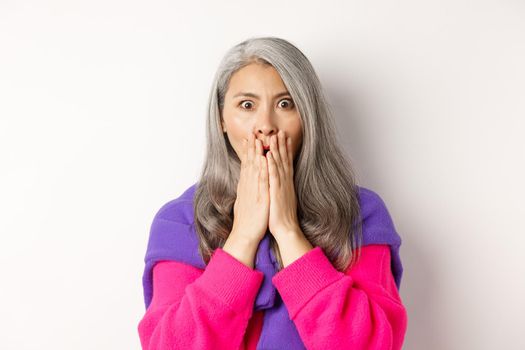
(223, 126)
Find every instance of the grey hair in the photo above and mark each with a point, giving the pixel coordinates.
(325, 185)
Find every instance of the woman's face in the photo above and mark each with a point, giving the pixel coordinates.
(257, 102)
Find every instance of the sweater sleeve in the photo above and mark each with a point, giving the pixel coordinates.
(358, 309)
(200, 309)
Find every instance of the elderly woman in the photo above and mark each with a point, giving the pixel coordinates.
(275, 246)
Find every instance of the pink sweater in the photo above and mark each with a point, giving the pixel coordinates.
(213, 308)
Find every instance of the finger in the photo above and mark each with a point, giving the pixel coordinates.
(251, 147)
(244, 152)
(290, 153)
(258, 148)
(283, 150)
(258, 152)
(274, 147)
(263, 174)
(273, 174)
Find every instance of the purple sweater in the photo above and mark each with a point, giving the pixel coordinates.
(173, 237)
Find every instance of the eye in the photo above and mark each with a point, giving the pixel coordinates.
(289, 102)
(242, 103)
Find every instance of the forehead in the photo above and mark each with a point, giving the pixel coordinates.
(256, 78)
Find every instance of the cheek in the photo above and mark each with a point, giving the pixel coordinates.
(296, 140)
(236, 143)
(296, 132)
(236, 138)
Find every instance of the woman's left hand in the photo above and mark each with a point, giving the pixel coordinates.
(283, 203)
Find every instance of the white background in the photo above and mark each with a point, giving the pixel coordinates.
(102, 112)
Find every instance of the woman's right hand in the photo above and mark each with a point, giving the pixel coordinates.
(252, 206)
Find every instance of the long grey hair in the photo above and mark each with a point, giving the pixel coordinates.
(327, 202)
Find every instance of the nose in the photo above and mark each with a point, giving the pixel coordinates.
(265, 126)
(265, 136)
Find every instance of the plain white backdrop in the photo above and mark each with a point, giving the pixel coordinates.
(102, 116)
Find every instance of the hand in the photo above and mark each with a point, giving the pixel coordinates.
(283, 203)
(252, 205)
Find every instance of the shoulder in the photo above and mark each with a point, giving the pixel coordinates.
(371, 204)
(369, 198)
(179, 209)
(378, 226)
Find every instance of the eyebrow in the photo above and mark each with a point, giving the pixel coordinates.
(251, 94)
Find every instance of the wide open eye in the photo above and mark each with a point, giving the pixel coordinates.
(289, 103)
(243, 104)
